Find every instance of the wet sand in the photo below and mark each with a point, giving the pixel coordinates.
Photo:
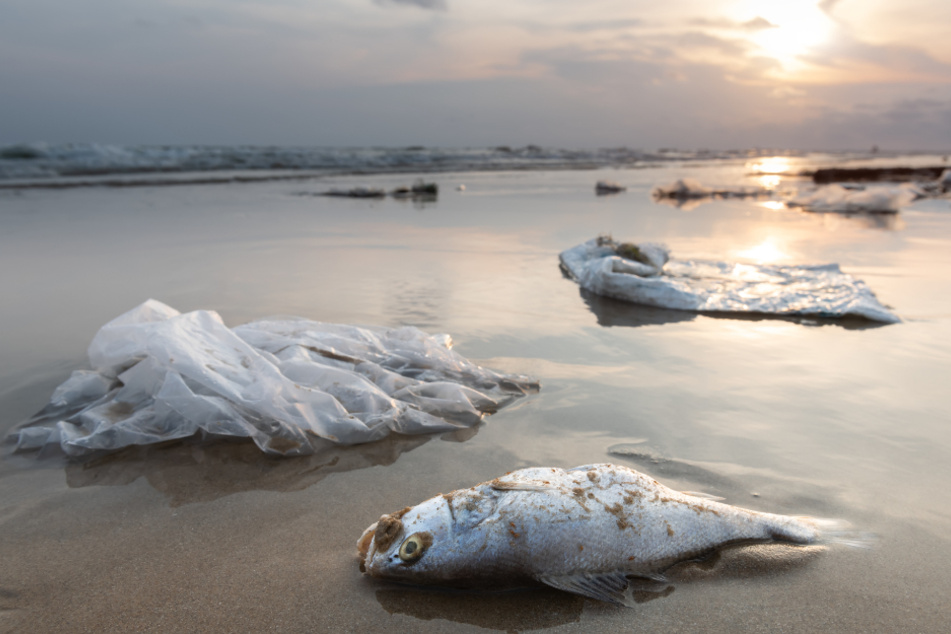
(786, 416)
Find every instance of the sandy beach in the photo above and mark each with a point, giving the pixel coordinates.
(791, 416)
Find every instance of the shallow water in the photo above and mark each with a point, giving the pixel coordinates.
(789, 416)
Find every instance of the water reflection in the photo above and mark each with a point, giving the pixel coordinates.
(420, 303)
(614, 312)
(831, 219)
(733, 482)
(650, 459)
(188, 471)
(766, 252)
(772, 166)
(746, 561)
(883, 221)
(419, 201)
(694, 200)
(683, 204)
(513, 610)
(540, 608)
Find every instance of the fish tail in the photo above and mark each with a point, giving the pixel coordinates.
(796, 530)
(833, 531)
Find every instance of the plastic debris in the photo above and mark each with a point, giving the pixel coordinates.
(692, 189)
(608, 187)
(944, 181)
(641, 273)
(895, 174)
(419, 189)
(857, 199)
(291, 385)
(356, 192)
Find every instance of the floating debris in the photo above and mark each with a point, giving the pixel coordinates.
(356, 192)
(692, 189)
(857, 199)
(643, 274)
(828, 175)
(608, 187)
(945, 181)
(418, 189)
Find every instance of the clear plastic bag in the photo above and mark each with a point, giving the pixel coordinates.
(291, 385)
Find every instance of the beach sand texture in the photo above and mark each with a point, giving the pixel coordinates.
(789, 416)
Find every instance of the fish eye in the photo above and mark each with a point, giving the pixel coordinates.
(414, 546)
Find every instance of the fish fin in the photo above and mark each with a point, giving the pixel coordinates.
(832, 531)
(654, 577)
(527, 485)
(705, 496)
(610, 587)
(521, 481)
(587, 467)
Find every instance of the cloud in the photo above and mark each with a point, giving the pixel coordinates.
(758, 24)
(828, 5)
(908, 62)
(594, 68)
(433, 5)
(700, 40)
(908, 117)
(570, 78)
(713, 23)
(605, 25)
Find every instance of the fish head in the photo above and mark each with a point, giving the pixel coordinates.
(432, 542)
(411, 544)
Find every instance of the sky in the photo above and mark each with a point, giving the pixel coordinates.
(688, 74)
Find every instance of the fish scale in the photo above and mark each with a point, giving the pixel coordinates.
(588, 530)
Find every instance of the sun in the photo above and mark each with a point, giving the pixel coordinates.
(796, 27)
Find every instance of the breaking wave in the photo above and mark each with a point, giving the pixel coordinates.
(44, 160)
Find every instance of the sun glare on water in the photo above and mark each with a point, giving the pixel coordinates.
(774, 165)
(766, 252)
(769, 171)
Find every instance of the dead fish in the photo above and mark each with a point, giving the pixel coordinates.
(597, 530)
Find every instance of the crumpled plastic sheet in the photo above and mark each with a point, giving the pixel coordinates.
(835, 198)
(291, 385)
(698, 285)
(689, 189)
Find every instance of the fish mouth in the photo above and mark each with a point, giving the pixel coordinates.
(364, 543)
(379, 537)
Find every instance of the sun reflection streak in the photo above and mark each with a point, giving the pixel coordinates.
(774, 165)
(766, 252)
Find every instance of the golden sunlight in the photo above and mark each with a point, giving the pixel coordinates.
(774, 165)
(798, 25)
(765, 252)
